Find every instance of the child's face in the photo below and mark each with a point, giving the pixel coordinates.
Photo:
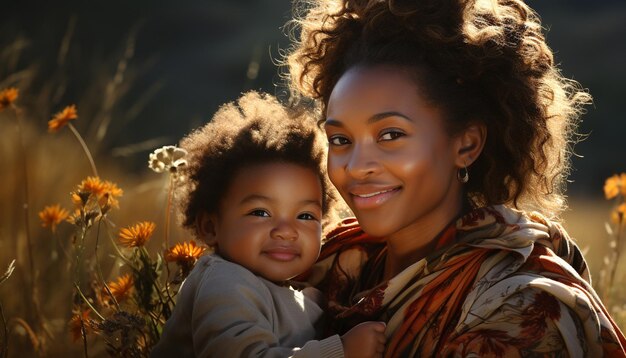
(269, 220)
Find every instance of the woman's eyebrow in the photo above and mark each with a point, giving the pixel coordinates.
(379, 116)
(373, 119)
(333, 122)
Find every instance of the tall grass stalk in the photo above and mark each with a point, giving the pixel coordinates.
(4, 344)
(34, 292)
(85, 149)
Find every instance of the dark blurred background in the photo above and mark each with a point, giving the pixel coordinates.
(144, 73)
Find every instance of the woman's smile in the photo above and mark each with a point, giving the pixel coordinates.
(366, 197)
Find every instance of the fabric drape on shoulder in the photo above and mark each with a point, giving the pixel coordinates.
(501, 283)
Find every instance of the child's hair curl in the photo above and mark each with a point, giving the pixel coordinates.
(481, 60)
(256, 129)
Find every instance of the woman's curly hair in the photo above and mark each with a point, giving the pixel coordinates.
(478, 60)
(256, 129)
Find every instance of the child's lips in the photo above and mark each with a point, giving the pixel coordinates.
(283, 254)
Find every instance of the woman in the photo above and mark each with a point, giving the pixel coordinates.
(448, 124)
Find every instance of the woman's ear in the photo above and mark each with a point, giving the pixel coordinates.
(470, 144)
(206, 228)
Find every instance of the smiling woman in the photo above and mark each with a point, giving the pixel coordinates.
(389, 151)
(448, 124)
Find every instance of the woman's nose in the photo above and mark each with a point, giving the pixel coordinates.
(362, 162)
(284, 231)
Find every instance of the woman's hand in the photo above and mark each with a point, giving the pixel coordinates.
(365, 340)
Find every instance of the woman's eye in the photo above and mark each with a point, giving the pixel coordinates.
(306, 216)
(391, 135)
(259, 212)
(338, 140)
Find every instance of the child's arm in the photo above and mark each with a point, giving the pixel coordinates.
(232, 317)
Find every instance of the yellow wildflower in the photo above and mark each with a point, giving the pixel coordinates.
(136, 235)
(615, 185)
(52, 215)
(122, 287)
(184, 253)
(62, 118)
(7, 97)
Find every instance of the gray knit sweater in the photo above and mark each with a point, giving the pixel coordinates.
(224, 310)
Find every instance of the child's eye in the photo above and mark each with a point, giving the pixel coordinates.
(259, 212)
(391, 135)
(306, 216)
(338, 140)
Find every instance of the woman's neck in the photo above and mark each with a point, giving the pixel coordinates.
(419, 239)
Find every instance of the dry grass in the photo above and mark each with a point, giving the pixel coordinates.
(56, 165)
(586, 222)
(38, 298)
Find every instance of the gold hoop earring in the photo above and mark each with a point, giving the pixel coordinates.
(463, 174)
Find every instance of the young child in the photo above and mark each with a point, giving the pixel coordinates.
(256, 191)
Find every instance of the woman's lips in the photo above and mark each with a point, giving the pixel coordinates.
(372, 199)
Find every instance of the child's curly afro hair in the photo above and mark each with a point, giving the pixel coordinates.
(255, 129)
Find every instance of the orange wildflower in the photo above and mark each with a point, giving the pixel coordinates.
(136, 235)
(7, 97)
(52, 215)
(77, 199)
(91, 185)
(62, 118)
(105, 191)
(122, 287)
(74, 218)
(113, 192)
(186, 252)
(615, 185)
(618, 216)
(78, 322)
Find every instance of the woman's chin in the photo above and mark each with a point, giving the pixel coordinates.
(376, 227)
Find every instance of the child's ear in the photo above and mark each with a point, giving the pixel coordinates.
(206, 228)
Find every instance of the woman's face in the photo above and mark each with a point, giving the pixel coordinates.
(390, 156)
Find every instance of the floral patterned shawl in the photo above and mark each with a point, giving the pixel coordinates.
(501, 283)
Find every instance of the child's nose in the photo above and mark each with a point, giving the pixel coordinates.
(284, 231)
